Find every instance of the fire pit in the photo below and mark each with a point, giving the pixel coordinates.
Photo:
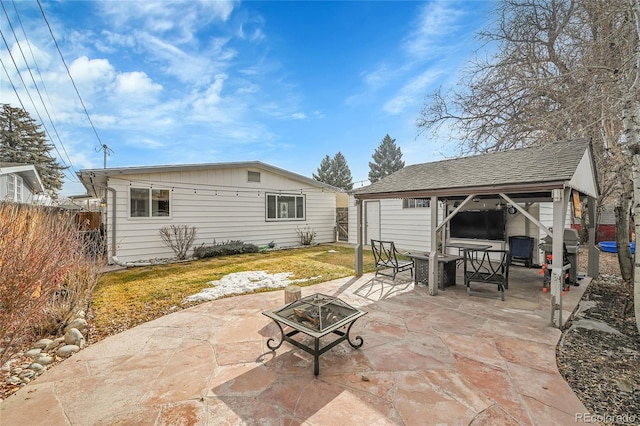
(316, 316)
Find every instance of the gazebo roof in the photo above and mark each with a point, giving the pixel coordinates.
(526, 172)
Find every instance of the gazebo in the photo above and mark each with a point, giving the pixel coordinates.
(558, 172)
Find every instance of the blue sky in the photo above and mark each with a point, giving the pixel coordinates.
(285, 83)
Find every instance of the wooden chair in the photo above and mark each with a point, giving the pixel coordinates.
(385, 256)
(485, 270)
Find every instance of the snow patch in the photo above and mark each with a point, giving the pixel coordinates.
(244, 282)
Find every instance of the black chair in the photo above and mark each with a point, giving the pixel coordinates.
(386, 257)
(521, 248)
(487, 269)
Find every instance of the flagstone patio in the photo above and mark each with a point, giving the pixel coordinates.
(447, 359)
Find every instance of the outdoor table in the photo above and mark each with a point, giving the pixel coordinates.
(463, 248)
(316, 316)
(446, 269)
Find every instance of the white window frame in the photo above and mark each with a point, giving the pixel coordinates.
(150, 206)
(413, 203)
(11, 187)
(282, 208)
(19, 185)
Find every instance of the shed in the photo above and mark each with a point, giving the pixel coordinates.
(555, 172)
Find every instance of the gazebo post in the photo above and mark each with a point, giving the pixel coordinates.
(433, 255)
(358, 265)
(560, 198)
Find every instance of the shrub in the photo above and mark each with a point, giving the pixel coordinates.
(179, 238)
(224, 249)
(42, 255)
(306, 235)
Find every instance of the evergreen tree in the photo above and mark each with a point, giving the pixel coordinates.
(22, 141)
(387, 159)
(341, 173)
(324, 171)
(335, 171)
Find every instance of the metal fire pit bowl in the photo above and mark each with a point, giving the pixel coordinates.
(316, 316)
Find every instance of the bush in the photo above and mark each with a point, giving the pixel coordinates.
(178, 238)
(306, 235)
(224, 249)
(42, 257)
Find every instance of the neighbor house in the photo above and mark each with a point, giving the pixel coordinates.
(19, 183)
(248, 201)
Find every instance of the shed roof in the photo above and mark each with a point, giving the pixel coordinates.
(28, 172)
(528, 172)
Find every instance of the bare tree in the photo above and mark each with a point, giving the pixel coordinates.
(562, 70)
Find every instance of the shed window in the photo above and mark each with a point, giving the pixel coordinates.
(14, 188)
(253, 176)
(412, 203)
(149, 202)
(285, 207)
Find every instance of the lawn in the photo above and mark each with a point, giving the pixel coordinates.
(124, 299)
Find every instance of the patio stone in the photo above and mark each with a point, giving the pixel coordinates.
(445, 359)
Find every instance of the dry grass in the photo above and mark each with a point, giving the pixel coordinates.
(124, 299)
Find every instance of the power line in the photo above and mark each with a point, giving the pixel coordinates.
(69, 73)
(37, 90)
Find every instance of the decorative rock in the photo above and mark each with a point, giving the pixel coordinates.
(54, 344)
(78, 323)
(43, 343)
(73, 336)
(16, 371)
(27, 374)
(32, 353)
(44, 359)
(36, 367)
(67, 350)
(14, 380)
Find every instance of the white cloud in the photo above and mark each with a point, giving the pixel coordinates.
(436, 20)
(136, 83)
(411, 93)
(92, 72)
(298, 115)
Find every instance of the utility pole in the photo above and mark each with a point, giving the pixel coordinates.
(107, 151)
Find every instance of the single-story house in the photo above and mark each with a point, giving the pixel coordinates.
(251, 201)
(19, 183)
(530, 188)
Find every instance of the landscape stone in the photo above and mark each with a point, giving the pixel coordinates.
(32, 353)
(67, 350)
(43, 343)
(44, 359)
(73, 336)
(78, 323)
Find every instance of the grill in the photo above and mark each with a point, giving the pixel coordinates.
(316, 316)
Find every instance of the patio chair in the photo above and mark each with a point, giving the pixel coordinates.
(385, 256)
(483, 269)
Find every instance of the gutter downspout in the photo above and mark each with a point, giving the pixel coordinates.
(113, 222)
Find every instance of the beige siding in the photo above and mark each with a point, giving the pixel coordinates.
(223, 206)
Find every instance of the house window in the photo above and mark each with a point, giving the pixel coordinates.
(14, 188)
(253, 176)
(412, 203)
(285, 207)
(149, 202)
